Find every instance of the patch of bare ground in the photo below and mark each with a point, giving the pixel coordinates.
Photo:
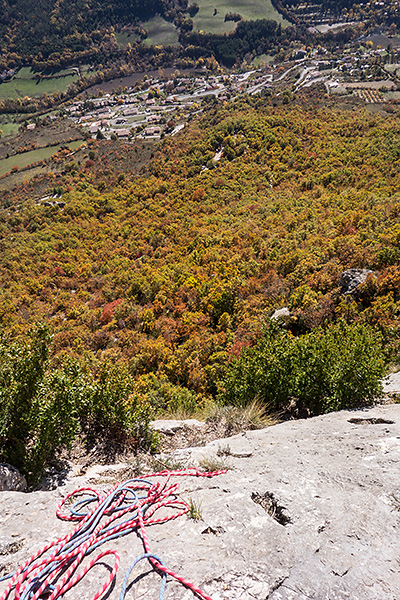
(223, 422)
(112, 447)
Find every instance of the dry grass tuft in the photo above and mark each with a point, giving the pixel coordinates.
(234, 419)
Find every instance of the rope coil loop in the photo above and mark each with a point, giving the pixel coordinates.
(129, 507)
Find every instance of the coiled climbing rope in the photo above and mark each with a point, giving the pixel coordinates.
(129, 507)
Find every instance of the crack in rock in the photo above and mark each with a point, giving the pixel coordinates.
(215, 530)
(341, 574)
(270, 504)
(277, 585)
(370, 421)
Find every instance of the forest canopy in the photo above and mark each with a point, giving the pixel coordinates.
(177, 269)
(50, 30)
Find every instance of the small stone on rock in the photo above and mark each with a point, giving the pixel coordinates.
(11, 479)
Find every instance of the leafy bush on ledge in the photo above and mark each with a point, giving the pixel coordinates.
(328, 369)
(43, 409)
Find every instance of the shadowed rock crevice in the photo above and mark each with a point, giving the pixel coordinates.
(371, 421)
(270, 504)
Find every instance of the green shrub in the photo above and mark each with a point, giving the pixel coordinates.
(21, 372)
(167, 398)
(43, 409)
(328, 369)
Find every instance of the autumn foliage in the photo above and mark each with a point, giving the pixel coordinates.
(173, 272)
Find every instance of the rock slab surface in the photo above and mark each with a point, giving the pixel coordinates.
(334, 478)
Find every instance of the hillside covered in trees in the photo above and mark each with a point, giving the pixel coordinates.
(186, 262)
(60, 32)
(369, 12)
(171, 276)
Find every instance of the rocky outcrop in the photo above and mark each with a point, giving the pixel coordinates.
(11, 479)
(391, 385)
(307, 509)
(351, 279)
(172, 426)
(281, 316)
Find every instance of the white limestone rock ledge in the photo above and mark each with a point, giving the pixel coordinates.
(335, 477)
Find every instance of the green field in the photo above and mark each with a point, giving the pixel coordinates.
(160, 32)
(27, 158)
(8, 128)
(25, 73)
(262, 60)
(24, 85)
(206, 21)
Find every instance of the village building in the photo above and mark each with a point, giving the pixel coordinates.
(122, 133)
(151, 131)
(130, 111)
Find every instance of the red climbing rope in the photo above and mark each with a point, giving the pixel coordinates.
(129, 507)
